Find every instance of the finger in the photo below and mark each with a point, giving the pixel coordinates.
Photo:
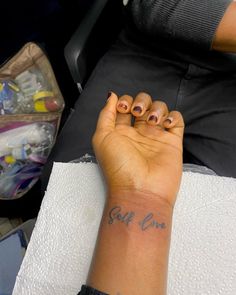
(141, 104)
(107, 116)
(123, 119)
(174, 123)
(124, 104)
(155, 116)
(158, 113)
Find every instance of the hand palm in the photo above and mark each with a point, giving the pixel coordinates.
(142, 158)
(145, 158)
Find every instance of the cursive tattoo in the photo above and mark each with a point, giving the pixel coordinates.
(149, 221)
(115, 214)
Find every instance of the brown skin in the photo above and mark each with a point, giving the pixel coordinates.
(225, 37)
(137, 158)
(142, 165)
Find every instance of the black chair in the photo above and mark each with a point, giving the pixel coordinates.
(92, 39)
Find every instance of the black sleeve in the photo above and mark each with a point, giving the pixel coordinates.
(86, 290)
(187, 20)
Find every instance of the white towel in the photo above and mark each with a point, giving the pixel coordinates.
(203, 247)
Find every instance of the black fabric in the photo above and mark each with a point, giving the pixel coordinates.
(86, 290)
(183, 20)
(202, 89)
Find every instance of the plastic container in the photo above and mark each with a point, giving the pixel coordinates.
(30, 110)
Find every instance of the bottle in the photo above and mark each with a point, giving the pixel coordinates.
(38, 94)
(32, 81)
(9, 97)
(23, 152)
(33, 135)
(46, 104)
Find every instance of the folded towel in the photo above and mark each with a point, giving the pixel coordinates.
(203, 247)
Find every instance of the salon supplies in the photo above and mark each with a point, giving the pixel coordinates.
(26, 135)
(23, 151)
(32, 81)
(10, 97)
(37, 92)
(30, 110)
(46, 104)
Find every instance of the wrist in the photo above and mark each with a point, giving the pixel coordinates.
(134, 236)
(138, 212)
(141, 200)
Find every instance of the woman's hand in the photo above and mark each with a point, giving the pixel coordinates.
(144, 158)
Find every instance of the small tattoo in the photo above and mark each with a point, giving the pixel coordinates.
(115, 214)
(150, 222)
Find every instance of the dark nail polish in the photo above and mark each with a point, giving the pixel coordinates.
(137, 109)
(123, 106)
(169, 120)
(153, 118)
(109, 94)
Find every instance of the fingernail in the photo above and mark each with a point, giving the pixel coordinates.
(153, 118)
(123, 106)
(138, 109)
(169, 120)
(109, 95)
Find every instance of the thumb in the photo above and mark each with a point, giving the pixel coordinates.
(107, 118)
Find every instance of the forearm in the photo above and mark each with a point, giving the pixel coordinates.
(225, 37)
(188, 21)
(132, 250)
